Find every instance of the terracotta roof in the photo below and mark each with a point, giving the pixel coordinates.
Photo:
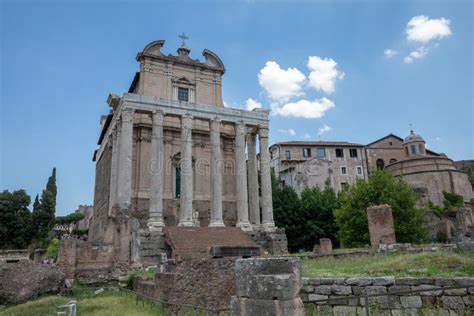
(197, 241)
(389, 135)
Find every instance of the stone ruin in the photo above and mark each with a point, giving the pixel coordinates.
(267, 286)
(381, 227)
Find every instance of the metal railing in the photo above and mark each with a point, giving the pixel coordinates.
(394, 293)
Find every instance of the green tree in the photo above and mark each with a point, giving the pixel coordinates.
(287, 213)
(381, 188)
(15, 220)
(43, 212)
(451, 201)
(318, 207)
(69, 220)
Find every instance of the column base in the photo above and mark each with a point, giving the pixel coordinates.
(156, 226)
(269, 226)
(245, 226)
(189, 223)
(216, 224)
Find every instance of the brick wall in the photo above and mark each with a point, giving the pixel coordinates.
(440, 301)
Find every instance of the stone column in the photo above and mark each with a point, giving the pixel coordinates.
(186, 199)
(254, 203)
(265, 181)
(241, 178)
(155, 220)
(113, 171)
(216, 174)
(124, 185)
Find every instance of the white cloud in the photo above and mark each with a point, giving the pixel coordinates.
(305, 108)
(280, 84)
(289, 131)
(324, 73)
(306, 136)
(251, 104)
(416, 54)
(423, 29)
(389, 53)
(325, 128)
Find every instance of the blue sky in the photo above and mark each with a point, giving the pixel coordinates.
(59, 61)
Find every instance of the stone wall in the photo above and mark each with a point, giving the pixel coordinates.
(13, 255)
(86, 261)
(445, 302)
(101, 196)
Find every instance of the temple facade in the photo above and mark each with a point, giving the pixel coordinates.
(170, 154)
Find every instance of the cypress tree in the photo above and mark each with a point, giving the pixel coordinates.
(45, 208)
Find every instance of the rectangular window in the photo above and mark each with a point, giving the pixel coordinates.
(359, 170)
(343, 170)
(178, 182)
(287, 155)
(339, 152)
(353, 153)
(306, 152)
(183, 94)
(344, 186)
(321, 152)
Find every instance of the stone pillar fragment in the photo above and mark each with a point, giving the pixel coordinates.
(325, 246)
(241, 178)
(265, 181)
(124, 185)
(254, 203)
(155, 220)
(186, 199)
(216, 174)
(381, 227)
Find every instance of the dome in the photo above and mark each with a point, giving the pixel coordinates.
(413, 138)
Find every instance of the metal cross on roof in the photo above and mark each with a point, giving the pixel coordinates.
(184, 38)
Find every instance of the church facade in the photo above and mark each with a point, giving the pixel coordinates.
(170, 154)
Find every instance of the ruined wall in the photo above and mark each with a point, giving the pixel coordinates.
(101, 195)
(441, 302)
(86, 261)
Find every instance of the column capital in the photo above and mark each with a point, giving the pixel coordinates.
(187, 121)
(127, 114)
(240, 127)
(263, 131)
(215, 124)
(157, 117)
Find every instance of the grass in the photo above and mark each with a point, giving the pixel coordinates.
(109, 303)
(434, 264)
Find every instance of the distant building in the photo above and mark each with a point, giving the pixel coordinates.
(315, 163)
(301, 164)
(88, 211)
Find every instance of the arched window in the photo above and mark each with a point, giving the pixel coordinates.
(393, 160)
(406, 151)
(413, 149)
(380, 163)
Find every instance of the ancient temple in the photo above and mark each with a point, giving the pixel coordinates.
(170, 154)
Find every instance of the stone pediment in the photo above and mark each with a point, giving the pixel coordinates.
(153, 50)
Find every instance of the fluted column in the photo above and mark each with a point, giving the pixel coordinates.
(124, 189)
(186, 199)
(265, 180)
(216, 174)
(155, 220)
(252, 179)
(241, 178)
(113, 171)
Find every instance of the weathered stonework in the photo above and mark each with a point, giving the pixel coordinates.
(267, 286)
(436, 302)
(381, 227)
